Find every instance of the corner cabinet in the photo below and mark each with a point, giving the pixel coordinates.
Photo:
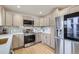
(17, 20)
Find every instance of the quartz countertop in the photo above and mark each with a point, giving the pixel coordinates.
(8, 35)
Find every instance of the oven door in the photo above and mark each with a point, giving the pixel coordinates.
(29, 39)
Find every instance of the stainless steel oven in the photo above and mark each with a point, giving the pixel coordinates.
(28, 38)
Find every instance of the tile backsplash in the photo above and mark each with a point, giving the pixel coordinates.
(13, 29)
(21, 29)
(42, 29)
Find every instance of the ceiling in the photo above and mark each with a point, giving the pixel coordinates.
(38, 10)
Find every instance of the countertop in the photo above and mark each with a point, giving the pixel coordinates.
(8, 35)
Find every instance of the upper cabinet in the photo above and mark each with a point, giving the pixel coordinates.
(2, 16)
(36, 21)
(17, 20)
(42, 22)
(74, 9)
(9, 19)
(45, 21)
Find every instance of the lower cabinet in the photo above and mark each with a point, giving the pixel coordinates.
(18, 41)
(46, 39)
(38, 37)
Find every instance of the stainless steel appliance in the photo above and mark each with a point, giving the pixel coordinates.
(28, 22)
(59, 41)
(29, 37)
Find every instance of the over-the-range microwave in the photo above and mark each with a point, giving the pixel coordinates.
(28, 22)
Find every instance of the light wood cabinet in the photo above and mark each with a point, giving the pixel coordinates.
(74, 9)
(46, 39)
(38, 37)
(21, 40)
(42, 22)
(9, 18)
(18, 41)
(36, 21)
(15, 42)
(2, 16)
(17, 20)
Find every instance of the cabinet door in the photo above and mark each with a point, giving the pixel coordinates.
(3, 16)
(42, 22)
(36, 22)
(43, 38)
(17, 20)
(21, 40)
(46, 21)
(37, 37)
(48, 40)
(74, 9)
(15, 42)
(9, 18)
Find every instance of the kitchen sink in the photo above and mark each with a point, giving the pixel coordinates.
(3, 41)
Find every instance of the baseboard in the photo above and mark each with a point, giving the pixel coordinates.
(49, 46)
(27, 46)
(18, 48)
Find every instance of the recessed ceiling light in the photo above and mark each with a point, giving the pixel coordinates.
(18, 6)
(40, 12)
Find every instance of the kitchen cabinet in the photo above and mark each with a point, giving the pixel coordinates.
(74, 9)
(46, 38)
(2, 16)
(38, 37)
(36, 21)
(18, 41)
(17, 20)
(21, 40)
(52, 37)
(9, 18)
(15, 42)
(44, 21)
(28, 17)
